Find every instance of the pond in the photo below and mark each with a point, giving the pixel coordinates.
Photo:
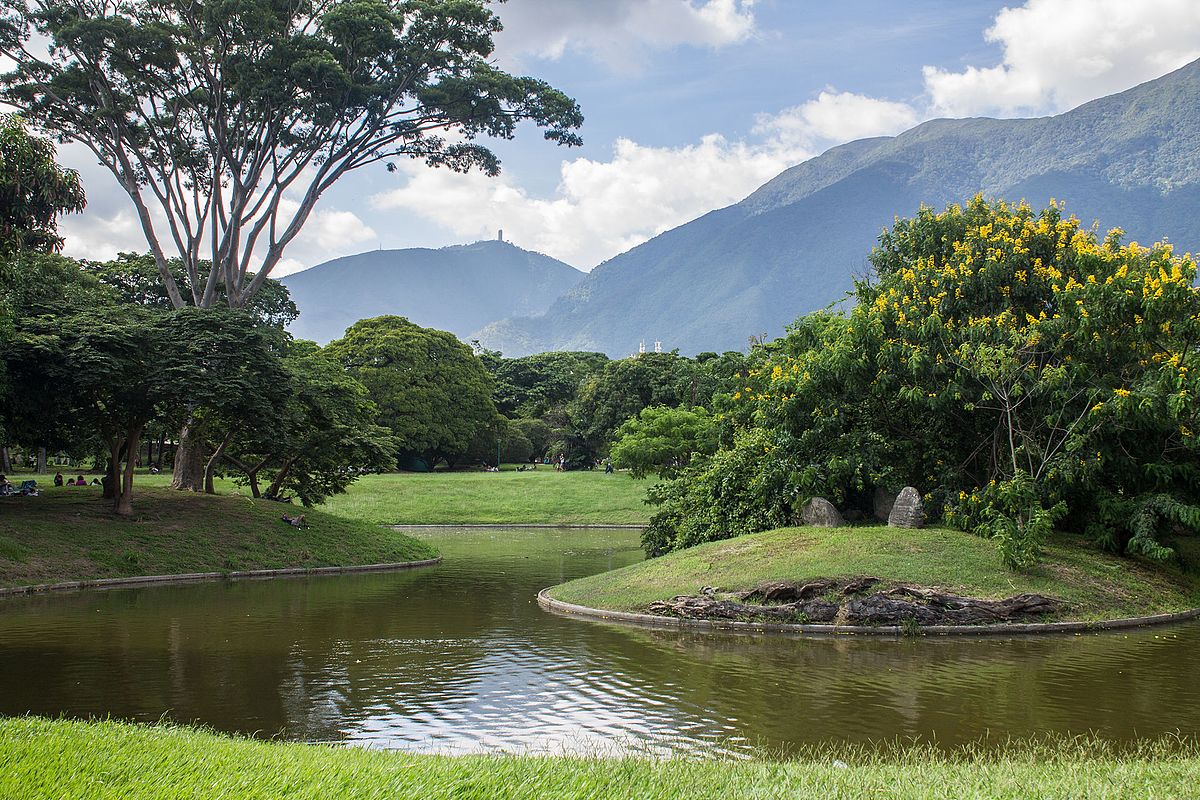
(459, 658)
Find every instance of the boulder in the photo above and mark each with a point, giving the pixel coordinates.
(908, 511)
(884, 500)
(820, 513)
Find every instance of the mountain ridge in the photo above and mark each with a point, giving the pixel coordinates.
(458, 288)
(1130, 160)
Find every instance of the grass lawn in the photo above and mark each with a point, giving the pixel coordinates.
(540, 497)
(45, 759)
(1095, 584)
(69, 534)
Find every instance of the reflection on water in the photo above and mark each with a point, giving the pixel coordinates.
(459, 658)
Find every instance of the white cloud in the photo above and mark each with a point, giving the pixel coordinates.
(1060, 53)
(327, 234)
(617, 31)
(835, 117)
(601, 208)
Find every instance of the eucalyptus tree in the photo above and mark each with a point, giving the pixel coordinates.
(226, 122)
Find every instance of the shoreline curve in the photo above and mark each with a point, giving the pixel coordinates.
(560, 607)
(193, 577)
(538, 525)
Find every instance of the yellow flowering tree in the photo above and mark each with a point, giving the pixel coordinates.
(1016, 367)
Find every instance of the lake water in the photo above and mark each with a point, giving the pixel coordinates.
(459, 658)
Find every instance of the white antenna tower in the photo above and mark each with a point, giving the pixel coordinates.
(658, 347)
(642, 347)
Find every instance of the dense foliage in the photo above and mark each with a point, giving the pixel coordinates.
(663, 440)
(34, 190)
(430, 390)
(1017, 369)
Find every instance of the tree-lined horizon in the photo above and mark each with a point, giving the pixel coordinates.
(225, 123)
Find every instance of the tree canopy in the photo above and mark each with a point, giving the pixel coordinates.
(430, 390)
(34, 190)
(1017, 368)
(226, 122)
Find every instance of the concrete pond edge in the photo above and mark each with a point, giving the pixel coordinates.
(192, 577)
(548, 603)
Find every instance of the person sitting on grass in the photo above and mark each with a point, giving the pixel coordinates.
(5, 486)
(80, 481)
(58, 479)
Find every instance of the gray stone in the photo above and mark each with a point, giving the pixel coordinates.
(884, 500)
(820, 513)
(908, 511)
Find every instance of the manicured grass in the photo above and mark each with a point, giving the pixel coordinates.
(44, 759)
(69, 534)
(1096, 585)
(539, 497)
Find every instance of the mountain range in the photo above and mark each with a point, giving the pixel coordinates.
(1130, 160)
(458, 289)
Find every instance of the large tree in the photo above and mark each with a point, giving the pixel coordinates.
(431, 391)
(318, 441)
(1015, 367)
(226, 122)
(230, 120)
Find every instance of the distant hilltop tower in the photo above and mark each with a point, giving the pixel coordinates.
(642, 347)
(658, 347)
(500, 235)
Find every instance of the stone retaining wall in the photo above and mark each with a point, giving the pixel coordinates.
(142, 580)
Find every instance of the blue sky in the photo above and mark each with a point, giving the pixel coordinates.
(692, 104)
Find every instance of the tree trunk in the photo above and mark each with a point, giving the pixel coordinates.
(211, 464)
(188, 474)
(112, 472)
(162, 445)
(5, 460)
(41, 461)
(277, 484)
(124, 503)
(251, 473)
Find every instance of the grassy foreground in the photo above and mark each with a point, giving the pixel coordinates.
(539, 497)
(69, 534)
(45, 759)
(1096, 585)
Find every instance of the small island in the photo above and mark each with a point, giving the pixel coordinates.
(879, 576)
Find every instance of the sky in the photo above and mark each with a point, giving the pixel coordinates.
(690, 105)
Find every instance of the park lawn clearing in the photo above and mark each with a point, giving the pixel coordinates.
(1095, 585)
(70, 534)
(52, 759)
(539, 497)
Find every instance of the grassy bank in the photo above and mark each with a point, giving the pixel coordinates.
(43, 759)
(1096, 585)
(69, 534)
(539, 497)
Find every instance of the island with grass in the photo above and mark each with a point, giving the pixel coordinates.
(868, 576)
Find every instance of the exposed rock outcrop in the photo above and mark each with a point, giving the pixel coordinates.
(846, 602)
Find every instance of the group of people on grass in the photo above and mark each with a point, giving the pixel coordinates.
(80, 481)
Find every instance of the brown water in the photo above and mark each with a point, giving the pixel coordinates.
(459, 658)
